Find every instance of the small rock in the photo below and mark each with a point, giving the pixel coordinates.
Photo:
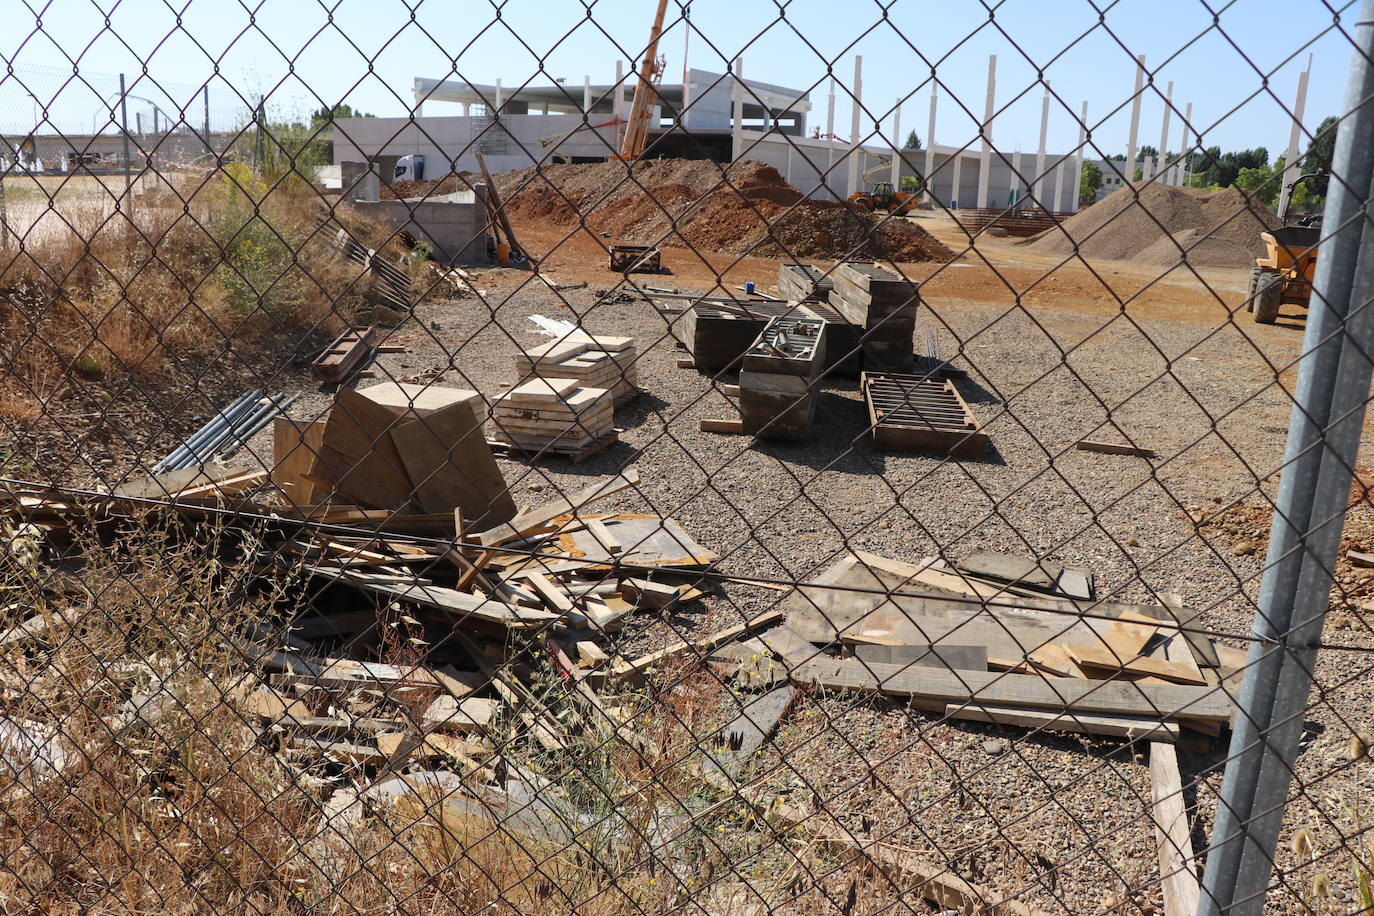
(536, 487)
(994, 748)
(1244, 549)
(1132, 542)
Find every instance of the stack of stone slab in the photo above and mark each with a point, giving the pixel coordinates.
(595, 362)
(554, 415)
(777, 383)
(884, 306)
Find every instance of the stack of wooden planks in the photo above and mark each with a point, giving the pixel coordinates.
(555, 415)
(884, 305)
(803, 283)
(596, 362)
(919, 413)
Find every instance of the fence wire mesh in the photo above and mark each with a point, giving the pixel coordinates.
(492, 494)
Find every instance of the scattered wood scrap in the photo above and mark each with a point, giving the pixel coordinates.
(1112, 448)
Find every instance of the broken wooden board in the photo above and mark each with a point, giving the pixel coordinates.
(295, 446)
(192, 482)
(700, 646)
(849, 598)
(1173, 833)
(1111, 448)
(961, 658)
(1104, 659)
(531, 519)
(1162, 701)
(745, 734)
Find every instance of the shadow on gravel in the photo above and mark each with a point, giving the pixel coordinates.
(640, 409)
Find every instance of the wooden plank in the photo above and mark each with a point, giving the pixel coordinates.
(1024, 571)
(962, 658)
(1105, 659)
(1135, 728)
(709, 425)
(1204, 650)
(1112, 448)
(450, 465)
(552, 596)
(1163, 701)
(597, 528)
(295, 444)
(494, 202)
(530, 519)
(357, 453)
(1174, 835)
(744, 735)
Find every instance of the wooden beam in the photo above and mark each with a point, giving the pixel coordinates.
(1111, 448)
(1180, 882)
(1134, 728)
(1159, 701)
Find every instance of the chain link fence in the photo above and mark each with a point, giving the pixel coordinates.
(652, 495)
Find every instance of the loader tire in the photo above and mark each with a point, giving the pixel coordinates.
(1253, 288)
(1268, 299)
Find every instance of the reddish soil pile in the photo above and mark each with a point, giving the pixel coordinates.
(1163, 226)
(747, 209)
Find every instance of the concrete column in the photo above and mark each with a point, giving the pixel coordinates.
(1164, 131)
(1291, 170)
(1135, 117)
(1064, 192)
(586, 94)
(897, 147)
(686, 111)
(930, 139)
(985, 155)
(1078, 166)
(830, 135)
(467, 110)
(1181, 166)
(500, 99)
(737, 111)
(1016, 184)
(954, 194)
(1039, 190)
(617, 97)
(854, 154)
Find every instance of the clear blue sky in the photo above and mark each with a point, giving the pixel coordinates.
(370, 51)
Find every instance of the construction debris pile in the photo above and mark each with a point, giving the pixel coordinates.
(747, 208)
(1154, 223)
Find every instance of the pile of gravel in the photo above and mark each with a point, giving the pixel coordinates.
(1162, 225)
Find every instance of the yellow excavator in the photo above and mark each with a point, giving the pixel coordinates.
(883, 196)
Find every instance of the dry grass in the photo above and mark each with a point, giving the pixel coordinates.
(228, 261)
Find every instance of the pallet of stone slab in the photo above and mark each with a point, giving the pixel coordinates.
(789, 346)
(915, 413)
(390, 456)
(553, 414)
(606, 362)
(348, 351)
(643, 259)
(531, 449)
(801, 282)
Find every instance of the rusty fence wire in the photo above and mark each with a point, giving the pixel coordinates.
(490, 494)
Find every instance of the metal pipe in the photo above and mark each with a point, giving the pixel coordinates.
(279, 407)
(210, 446)
(1323, 439)
(224, 416)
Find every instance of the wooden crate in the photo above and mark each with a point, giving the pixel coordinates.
(916, 413)
(802, 282)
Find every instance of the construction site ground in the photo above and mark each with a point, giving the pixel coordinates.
(1055, 351)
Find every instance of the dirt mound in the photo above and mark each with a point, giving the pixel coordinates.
(746, 209)
(1163, 226)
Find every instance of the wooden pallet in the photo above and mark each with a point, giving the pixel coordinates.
(573, 456)
(348, 351)
(916, 413)
(789, 346)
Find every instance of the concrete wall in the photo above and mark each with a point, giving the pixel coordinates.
(451, 143)
(454, 226)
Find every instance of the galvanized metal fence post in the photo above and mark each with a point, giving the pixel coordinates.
(1323, 439)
